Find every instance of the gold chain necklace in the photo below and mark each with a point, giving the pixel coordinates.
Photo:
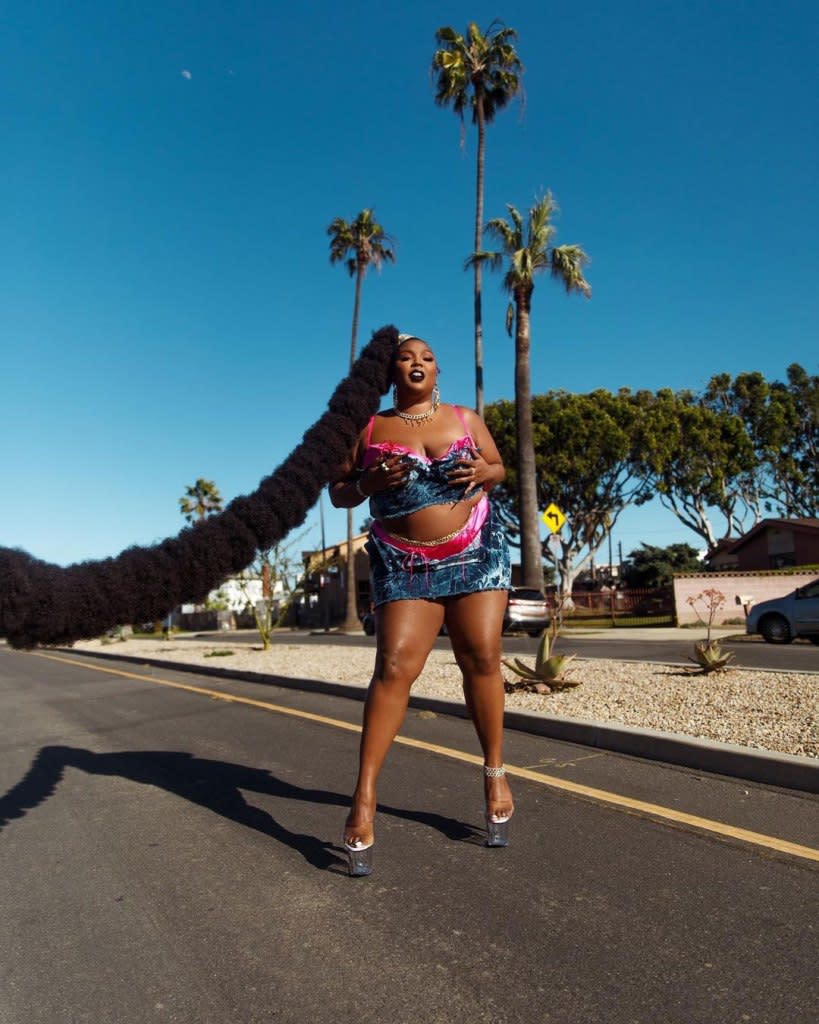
(419, 417)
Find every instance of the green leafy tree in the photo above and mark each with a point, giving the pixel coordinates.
(360, 244)
(200, 500)
(478, 71)
(649, 566)
(217, 601)
(697, 459)
(781, 420)
(748, 398)
(530, 252)
(797, 470)
(589, 461)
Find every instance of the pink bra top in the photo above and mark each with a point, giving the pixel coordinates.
(427, 482)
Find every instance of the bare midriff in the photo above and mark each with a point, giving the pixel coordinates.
(434, 521)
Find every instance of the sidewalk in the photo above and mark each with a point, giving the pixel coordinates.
(682, 633)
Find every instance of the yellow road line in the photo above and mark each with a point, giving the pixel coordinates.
(656, 811)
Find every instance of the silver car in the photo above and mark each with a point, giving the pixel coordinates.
(526, 610)
(784, 618)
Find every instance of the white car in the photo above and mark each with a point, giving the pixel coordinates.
(784, 618)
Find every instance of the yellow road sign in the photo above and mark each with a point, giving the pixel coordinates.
(553, 518)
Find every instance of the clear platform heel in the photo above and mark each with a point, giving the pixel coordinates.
(497, 826)
(359, 858)
(497, 831)
(358, 842)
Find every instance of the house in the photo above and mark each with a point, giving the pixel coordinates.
(231, 604)
(321, 598)
(721, 556)
(771, 544)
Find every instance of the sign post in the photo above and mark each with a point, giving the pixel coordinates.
(554, 520)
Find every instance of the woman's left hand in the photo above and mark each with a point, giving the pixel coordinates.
(470, 473)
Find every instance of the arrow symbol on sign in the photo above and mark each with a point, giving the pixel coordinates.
(553, 518)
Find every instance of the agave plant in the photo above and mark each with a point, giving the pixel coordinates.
(710, 657)
(547, 675)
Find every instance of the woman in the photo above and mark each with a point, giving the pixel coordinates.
(437, 555)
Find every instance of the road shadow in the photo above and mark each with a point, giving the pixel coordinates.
(218, 786)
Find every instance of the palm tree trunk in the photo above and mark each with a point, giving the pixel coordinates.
(352, 623)
(531, 553)
(478, 246)
(359, 277)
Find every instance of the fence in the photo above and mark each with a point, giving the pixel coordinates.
(621, 607)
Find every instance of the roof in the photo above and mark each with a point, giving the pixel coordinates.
(804, 525)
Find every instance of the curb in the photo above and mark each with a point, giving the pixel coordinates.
(790, 771)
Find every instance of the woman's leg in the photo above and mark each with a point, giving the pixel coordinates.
(475, 623)
(406, 632)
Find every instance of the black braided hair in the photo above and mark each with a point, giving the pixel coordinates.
(43, 603)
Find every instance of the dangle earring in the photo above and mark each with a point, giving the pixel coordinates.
(436, 396)
(395, 394)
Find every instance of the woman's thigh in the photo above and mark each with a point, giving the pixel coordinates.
(406, 633)
(475, 623)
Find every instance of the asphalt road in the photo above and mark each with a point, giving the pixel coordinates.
(170, 856)
(627, 645)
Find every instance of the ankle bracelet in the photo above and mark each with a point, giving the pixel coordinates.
(493, 773)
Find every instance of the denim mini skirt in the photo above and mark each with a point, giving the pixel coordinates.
(399, 574)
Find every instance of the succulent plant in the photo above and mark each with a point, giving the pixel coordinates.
(547, 675)
(710, 657)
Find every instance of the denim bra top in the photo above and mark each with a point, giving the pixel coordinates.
(426, 483)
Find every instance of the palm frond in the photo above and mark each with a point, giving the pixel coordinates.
(541, 231)
(360, 243)
(526, 259)
(510, 318)
(447, 36)
(494, 259)
(567, 262)
(478, 63)
(517, 220)
(500, 229)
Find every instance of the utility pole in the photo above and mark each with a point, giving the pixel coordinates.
(325, 610)
(611, 583)
(611, 565)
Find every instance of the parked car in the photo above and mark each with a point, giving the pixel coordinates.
(784, 618)
(526, 610)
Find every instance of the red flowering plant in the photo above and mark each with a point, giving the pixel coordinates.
(708, 654)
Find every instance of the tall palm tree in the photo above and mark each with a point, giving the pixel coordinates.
(480, 70)
(530, 254)
(360, 244)
(200, 500)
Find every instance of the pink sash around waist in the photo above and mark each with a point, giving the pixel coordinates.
(450, 546)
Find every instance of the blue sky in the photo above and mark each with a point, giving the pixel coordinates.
(168, 309)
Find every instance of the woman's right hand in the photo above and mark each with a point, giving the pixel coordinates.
(383, 474)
